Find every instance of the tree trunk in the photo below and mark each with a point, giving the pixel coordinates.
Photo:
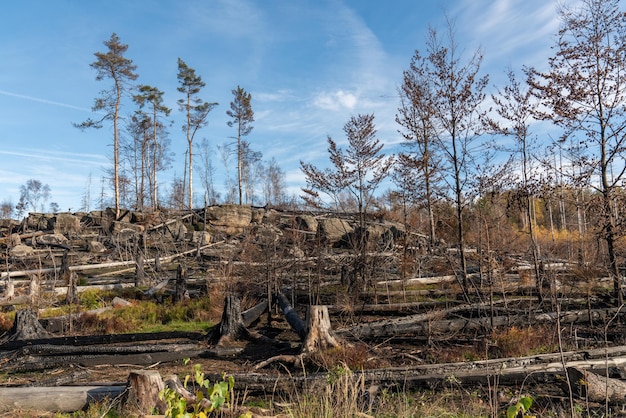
(298, 325)
(319, 336)
(144, 388)
(595, 388)
(181, 294)
(27, 327)
(232, 327)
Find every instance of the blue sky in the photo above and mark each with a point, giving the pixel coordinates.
(309, 65)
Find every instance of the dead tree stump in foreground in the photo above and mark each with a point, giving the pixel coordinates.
(143, 394)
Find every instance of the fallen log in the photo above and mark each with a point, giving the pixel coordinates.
(425, 324)
(54, 399)
(298, 325)
(595, 388)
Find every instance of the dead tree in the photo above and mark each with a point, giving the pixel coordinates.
(181, 293)
(68, 277)
(232, 327)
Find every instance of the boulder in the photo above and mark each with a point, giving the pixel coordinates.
(52, 239)
(21, 250)
(307, 223)
(119, 226)
(64, 223)
(196, 237)
(333, 231)
(231, 219)
(96, 247)
(38, 221)
(14, 240)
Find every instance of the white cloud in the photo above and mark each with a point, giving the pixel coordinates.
(336, 100)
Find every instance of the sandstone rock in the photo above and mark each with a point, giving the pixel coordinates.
(333, 230)
(38, 221)
(196, 237)
(231, 219)
(14, 239)
(21, 250)
(257, 215)
(96, 247)
(119, 226)
(307, 223)
(52, 239)
(64, 223)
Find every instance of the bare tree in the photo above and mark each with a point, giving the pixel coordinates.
(515, 107)
(208, 172)
(112, 65)
(458, 92)
(34, 194)
(584, 93)
(357, 171)
(418, 168)
(196, 111)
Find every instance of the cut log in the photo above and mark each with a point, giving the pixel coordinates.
(251, 315)
(143, 393)
(595, 388)
(423, 324)
(54, 399)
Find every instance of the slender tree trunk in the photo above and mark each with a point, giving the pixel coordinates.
(116, 151)
(239, 167)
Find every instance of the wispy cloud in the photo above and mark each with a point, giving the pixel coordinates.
(44, 101)
(335, 100)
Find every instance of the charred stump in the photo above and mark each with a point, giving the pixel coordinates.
(232, 327)
(27, 327)
(180, 290)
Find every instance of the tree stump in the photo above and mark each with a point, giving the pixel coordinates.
(232, 326)
(180, 289)
(319, 336)
(140, 275)
(27, 326)
(143, 391)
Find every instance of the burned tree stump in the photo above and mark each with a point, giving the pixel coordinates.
(180, 289)
(232, 327)
(69, 277)
(319, 336)
(27, 327)
(140, 275)
(143, 391)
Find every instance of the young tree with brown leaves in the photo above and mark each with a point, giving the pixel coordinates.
(358, 171)
(584, 92)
